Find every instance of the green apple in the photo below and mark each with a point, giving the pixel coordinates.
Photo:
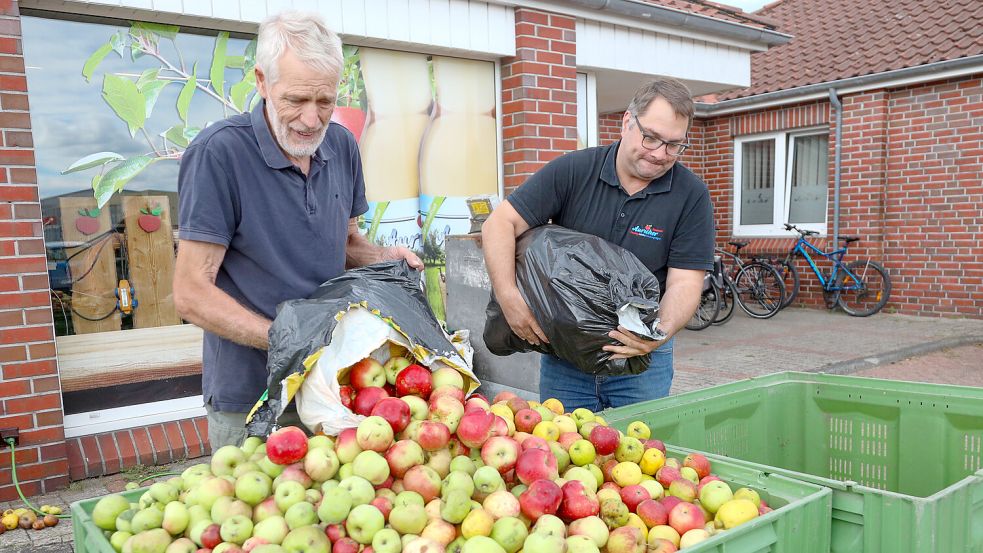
(484, 544)
(227, 507)
(510, 533)
(393, 366)
(550, 525)
(715, 493)
(584, 475)
(544, 412)
(288, 493)
(320, 441)
(364, 522)
(463, 463)
(562, 457)
(124, 519)
(630, 449)
(224, 460)
(250, 444)
(237, 529)
(408, 518)
(270, 468)
(386, 541)
(117, 539)
(640, 430)
(408, 497)
(196, 474)
(176, 518)
(457, 480)
(544, 543)
(335, 506)
(487, 480)
(300, 514)
(690, 474)
(582, 453)
(456, 506)
(581, 544)
(309, 539)
(213, 488)
(360, 489)
(253, 487)
(582, 415)
(371, 466)
(146, 519)
(592, 527)
(155, 540)
(273, 529)
(322, 463)
(164, 492)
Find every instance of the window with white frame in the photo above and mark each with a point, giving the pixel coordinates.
(779, 178)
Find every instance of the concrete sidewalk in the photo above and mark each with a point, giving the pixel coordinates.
(883, 346)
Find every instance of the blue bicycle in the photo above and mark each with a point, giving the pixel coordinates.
(861, 288)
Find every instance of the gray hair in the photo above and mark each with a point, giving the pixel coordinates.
(670, 90)
(304, 34)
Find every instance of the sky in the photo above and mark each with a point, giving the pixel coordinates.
(746, 5)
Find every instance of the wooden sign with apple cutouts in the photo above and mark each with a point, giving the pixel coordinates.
(151, 259)
(92, 265)
(149, 219)
(87, 222)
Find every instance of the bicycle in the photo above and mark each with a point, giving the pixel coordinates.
(710, 301)
(754, 285)
(861, 288)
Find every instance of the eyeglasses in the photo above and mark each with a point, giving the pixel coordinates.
(653, 143)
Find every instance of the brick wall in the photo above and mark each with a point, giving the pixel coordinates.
(539, 94)
(933, 209)
(30, 391)
(911, 187)
(609, 127)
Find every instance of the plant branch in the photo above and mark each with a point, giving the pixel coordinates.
(170, 67)
(150, 141)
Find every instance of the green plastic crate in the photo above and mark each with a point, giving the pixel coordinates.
(87, 536)
(903, 459)
(800, 522)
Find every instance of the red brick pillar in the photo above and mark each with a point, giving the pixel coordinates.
(30, 392)
(539, 94)
(609, 127)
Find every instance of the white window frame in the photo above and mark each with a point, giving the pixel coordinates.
(587, 107)
(783, 171)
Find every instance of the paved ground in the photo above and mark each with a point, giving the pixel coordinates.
(899, 347)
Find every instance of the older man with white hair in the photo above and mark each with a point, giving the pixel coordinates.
(268, 208)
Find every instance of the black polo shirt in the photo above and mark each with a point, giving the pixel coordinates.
(667, 224)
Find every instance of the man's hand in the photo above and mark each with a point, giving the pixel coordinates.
(394, 253)
(633, 346)
(521, 319)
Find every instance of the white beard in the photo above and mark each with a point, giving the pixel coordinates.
(298, 148)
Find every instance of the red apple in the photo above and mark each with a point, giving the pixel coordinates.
(455, 393)
(414, 380)
(568, 438)
(633, 495)
(704, 480)
(697, 462)
(499, 427)
(535, 442)
(542, 497)
(504, 396)
(517, 404)
(347, 396)
(475, 428)
(666, 474)
(473, 403)
(670, 501)
(652, 513)
(395, 411)
(287, 445)
(385, 506)
(335, 532)
(605, 439)
(606, 469)
(345, 545)
(366, 398)
(433, 435)
(367, 372)
(578, 502)
(211, 536)
(457, 448)
(685, 517)
(404, 455)
(535, 464)
(657, 444)
(526, 420)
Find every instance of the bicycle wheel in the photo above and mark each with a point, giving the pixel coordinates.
(760, 290)
(728, 300)
(869, 294)
(709, 306)
(790, 278)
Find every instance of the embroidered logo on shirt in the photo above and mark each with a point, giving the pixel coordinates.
(647, 231)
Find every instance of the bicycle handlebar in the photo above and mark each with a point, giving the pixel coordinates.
(800, 231)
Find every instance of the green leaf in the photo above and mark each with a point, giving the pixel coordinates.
(176, 135)
(94, 212)
(116, 178)
(240, 91)
(249, 56)
(166, 31)
(235, 62)
(93, 160)
(184, 99)
(217, 73)
(95, 180)
(147, 77)
(156, 211)
(135, 51)
(94, 60)
(118, 43)
(128, 103)
(151, 91)
(191, 132)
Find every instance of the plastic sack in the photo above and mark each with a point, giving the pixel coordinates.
(579, 287)
(368, 311)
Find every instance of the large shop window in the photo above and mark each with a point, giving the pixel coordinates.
(779, 178)
(113, 106)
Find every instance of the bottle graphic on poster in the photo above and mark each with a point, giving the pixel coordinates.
(397, 88)
(458, 157)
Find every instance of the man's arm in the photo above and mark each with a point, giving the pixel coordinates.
(360, 252)
(498, 235)
(201, 303)
(682, 297)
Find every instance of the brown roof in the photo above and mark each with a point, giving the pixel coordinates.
(838, 39)
(717, 11)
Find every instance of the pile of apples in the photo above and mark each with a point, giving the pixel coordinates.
(429, 472)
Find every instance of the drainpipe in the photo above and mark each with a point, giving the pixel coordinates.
(838, 107)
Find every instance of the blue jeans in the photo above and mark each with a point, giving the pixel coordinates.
(574, 388)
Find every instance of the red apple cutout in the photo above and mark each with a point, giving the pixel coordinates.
(87, 223)
(149, 219)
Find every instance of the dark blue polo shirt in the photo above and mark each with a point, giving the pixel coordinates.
(285, 233)
(669, 223)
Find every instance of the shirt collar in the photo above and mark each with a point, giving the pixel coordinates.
(609, 173)
(272, 154)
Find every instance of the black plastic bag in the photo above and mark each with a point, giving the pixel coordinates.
(391, 290)
(575, 285)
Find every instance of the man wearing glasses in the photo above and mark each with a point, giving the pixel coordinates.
(633, 193)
